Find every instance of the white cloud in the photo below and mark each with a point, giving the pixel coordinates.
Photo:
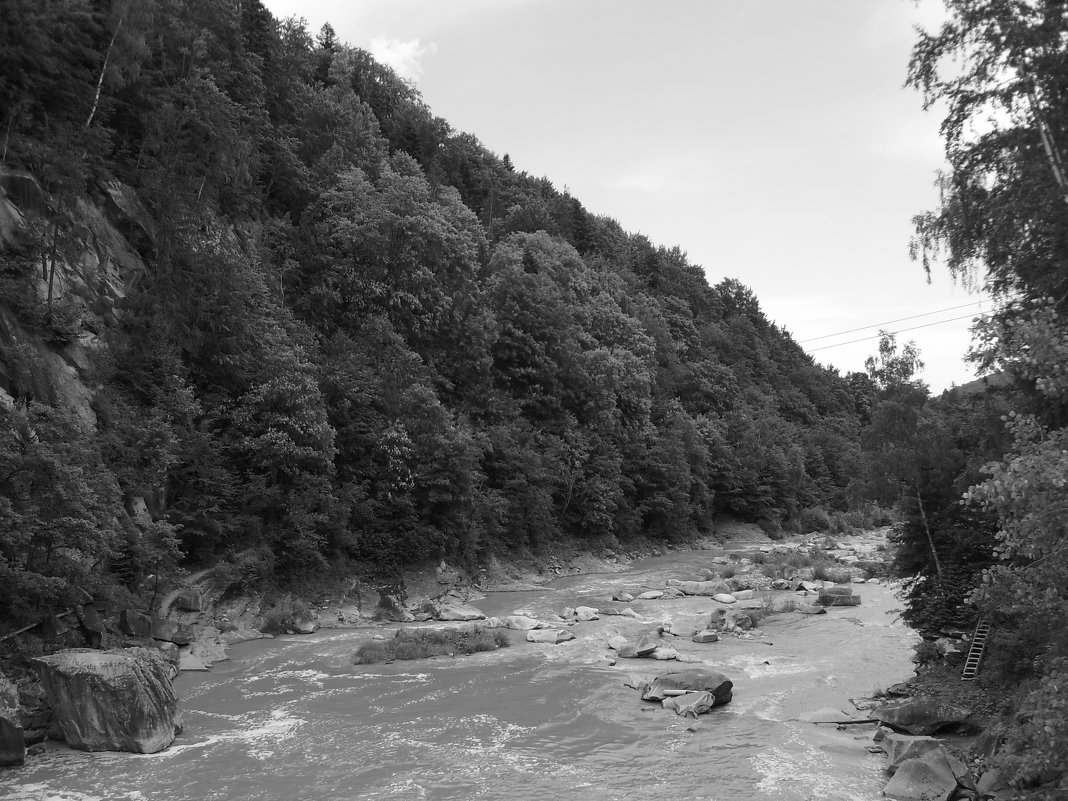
(406, 58)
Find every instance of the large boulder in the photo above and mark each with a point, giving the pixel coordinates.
(12, 745)
(520, 623)
(117, 700)
(693, 680)
(922, 716)
(708, 588)
(551, 636)
(900, 747)
(134, 623)
(458, 612)
(926, 778)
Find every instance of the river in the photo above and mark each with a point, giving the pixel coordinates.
(292, 719)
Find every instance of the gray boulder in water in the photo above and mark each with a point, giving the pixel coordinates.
(690, 704)
(117, 700)
(678, 682)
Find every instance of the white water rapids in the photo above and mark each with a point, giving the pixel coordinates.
(293, 719)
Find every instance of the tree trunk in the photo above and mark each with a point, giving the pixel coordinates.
(927, 529)
(104, 69)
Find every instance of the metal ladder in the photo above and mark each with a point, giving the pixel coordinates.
(975, 652)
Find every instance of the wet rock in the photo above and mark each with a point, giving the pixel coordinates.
(551, 636)
(744, 595)
(810, 609)
(12, 744)
(584, 614)
(922, 716)
(651, 595)
(780, 584)
(664, 653)
(926, 778)
(690, 704)
(614, 610)
(724, 598)
(705, 636)
(623, 597)
(117, 700)
(187, 661)
(899, 747)
(617, 642)
(645, 646)
(690, 680)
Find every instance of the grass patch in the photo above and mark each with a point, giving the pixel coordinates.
(836, 574)
(425, 643)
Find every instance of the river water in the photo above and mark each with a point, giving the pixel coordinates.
(291, 719)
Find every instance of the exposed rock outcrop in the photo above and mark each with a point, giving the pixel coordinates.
(12, 746)
(922, 716)
(118, 700)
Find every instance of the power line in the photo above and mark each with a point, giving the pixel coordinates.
(899, 331)
(888, 322)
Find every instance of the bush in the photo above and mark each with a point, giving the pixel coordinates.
(814, 519)
(424, 643)
(826, 572)
(288, 610)
(927, 653)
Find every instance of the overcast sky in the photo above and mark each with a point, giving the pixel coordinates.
(772, 141)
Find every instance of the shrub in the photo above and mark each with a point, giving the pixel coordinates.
(927, 653)
(424, 643)
(814, 519)
(287, 611)
(826, 572)
(726, 571)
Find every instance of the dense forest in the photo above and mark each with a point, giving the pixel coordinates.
(261, 309)
(317, 330)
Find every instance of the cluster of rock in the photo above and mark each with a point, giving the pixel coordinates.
(922, 768)
(689, 693)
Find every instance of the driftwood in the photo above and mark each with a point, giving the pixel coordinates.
(848, 722)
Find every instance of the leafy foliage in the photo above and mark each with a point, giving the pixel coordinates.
(337, 330)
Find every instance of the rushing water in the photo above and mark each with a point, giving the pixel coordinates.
(292, 719)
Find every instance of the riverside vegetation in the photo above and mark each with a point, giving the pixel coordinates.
(262, 312)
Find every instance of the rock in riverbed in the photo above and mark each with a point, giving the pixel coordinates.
(668, 685)
(117, 700)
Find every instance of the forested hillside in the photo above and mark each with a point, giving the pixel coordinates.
(310, 325)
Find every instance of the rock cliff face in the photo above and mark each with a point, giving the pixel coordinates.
(119, 700)
(12, 749)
